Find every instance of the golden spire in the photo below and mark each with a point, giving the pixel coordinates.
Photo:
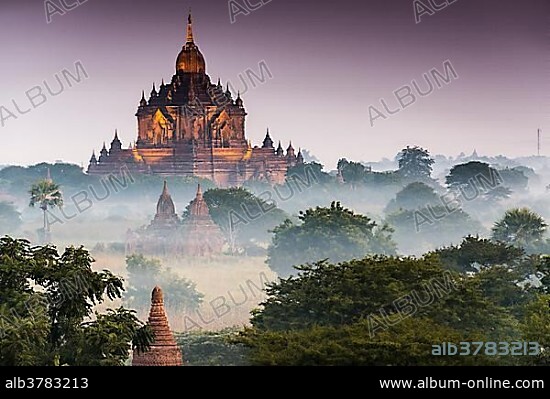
(190, 28)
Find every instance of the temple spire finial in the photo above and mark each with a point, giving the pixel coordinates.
(143, 101)
(190, 38)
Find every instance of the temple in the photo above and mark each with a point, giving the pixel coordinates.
(167, 235)
(192, 127)
(164, 350)
(201, 236)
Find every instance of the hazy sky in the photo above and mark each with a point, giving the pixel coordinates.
(330, 61)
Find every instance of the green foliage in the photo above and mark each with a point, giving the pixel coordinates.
(475, 251)
(416, 195)
(522, 228)
(24, 327)
(306, 172)
(408, 343)
(207, 348)
(242, 217)
(18, 178)
(110, 333)
(333, 233)
(333, 294)
(353, 173)
(46, 194)
(45, 302)
(180, 294)
(536, 325)
(541, 265)
(324, 316)
(415, 164)
(472, 176)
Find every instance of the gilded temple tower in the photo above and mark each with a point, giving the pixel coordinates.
(193, 127)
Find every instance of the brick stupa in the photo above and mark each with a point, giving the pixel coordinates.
(164, 351)
(201, 237)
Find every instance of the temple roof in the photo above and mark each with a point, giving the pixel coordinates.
(198, 207)
(268, 142)
(190, 59)
(166, 210)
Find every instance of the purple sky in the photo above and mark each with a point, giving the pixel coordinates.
(330, 61)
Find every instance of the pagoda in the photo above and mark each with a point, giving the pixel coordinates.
(192, 127)
(201, 236)
(164, 351)
(167, 235)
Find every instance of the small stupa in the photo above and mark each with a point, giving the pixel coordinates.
(201, 237)
(164, 351)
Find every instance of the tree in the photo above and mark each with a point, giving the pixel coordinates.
(474, 253)
(414, 196)
(45, 193)
(180, 294)
(213, 348)
(420, 230)
(497, 194)
(368, 312)
(522, 228)
(473, 176)
(306, 172)
(10, 218)
(408, 343)
(334, 233)
(515, 178)
(242, 217)
(536, 326)
(352, 172)
(415, 164)
(19, 178)
(46, 302)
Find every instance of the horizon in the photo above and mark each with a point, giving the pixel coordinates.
(336, 67)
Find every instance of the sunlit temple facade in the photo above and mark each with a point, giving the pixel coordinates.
(192, 127)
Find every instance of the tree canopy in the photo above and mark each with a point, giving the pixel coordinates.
(416, 195)
(244, 218)
(415, 164)
(391, 311)
(521, 227)
(334, 233)
(47, 302)
(180, 294)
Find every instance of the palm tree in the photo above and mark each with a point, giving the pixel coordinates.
(520, 227)
(46, 194)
